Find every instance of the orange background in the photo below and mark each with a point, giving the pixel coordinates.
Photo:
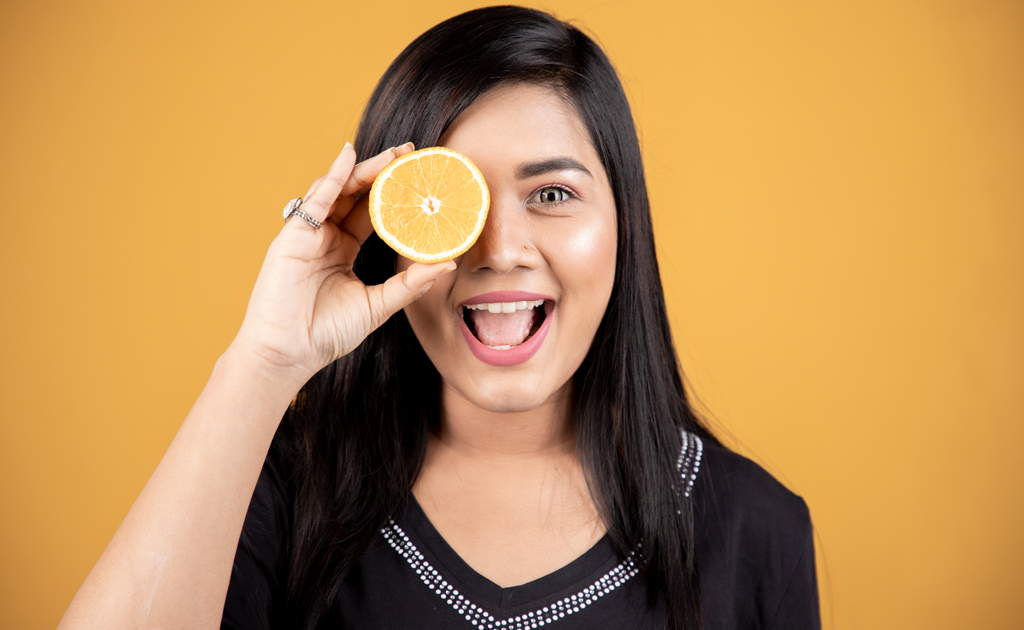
(839, 206)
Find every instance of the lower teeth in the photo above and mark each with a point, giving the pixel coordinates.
(499, 347)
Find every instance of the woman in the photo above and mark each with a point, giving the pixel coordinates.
(423, 479)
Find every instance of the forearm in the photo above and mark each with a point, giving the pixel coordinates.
(169, 563)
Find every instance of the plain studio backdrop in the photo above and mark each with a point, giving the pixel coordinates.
(838, 200)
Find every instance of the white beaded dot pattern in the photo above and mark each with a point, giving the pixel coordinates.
(483, 620)
(689, 460)
(688, 465)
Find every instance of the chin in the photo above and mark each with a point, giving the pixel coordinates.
(509, 395)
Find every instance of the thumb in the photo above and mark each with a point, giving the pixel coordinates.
(404, 288)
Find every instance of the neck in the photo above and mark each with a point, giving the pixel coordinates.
(544, 431)
(505, 489)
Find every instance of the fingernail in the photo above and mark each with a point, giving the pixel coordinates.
(448, 268)
(410, 145)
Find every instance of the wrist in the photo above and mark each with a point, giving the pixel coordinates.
(246, 361)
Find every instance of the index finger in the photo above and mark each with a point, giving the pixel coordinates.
(318, 203)
(366, 171)
(354, 217)
(363, 176)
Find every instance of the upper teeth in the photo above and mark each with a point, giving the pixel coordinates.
(504, 307)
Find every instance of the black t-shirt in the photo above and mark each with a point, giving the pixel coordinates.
(754, 555)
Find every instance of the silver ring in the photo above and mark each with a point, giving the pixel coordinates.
(292, 209)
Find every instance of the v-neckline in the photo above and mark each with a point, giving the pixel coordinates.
(582, 570)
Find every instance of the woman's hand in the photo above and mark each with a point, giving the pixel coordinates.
(308, 308)
(169, 564)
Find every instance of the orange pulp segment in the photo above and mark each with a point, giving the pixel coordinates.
(429, 205)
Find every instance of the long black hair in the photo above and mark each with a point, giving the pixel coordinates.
(355, 439)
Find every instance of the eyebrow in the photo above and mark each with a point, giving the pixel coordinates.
(533, 169)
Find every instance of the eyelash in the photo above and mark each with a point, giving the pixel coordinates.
(568, 193)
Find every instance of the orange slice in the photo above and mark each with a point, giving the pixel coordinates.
(429, 205)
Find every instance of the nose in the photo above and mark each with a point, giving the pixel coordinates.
(507, 242)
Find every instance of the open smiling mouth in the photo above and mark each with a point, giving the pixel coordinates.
(504, 325)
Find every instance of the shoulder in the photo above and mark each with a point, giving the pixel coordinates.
(753, 542)
(726, 484)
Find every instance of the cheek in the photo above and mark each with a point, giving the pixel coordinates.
(587, 258)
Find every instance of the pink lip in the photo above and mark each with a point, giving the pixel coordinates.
(524, 351)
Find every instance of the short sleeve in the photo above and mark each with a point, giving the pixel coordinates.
(754, 548)
(257, 576)
(798, 607)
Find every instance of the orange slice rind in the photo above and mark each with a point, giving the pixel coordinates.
(429, 205)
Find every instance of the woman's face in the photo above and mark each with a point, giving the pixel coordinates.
(550, 235)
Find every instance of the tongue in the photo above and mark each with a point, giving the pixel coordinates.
(503, 329)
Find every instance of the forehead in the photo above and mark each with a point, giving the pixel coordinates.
(517, 122)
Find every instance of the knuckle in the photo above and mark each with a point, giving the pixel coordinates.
(316, 202)
(362, 179)
(406, 284)
(378, 310)
(312, 188)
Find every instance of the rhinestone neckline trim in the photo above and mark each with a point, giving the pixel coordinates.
(482, 619)
(689, 460)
